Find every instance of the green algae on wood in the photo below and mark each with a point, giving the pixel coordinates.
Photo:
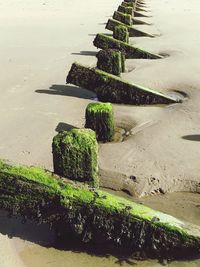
(94, 216)
(111, 61)
(130, 1)
(121, 33)
(126, 10)
(110, 88)
(124, 18)
(105, 42)
(112, 23)
(75, 155)
(99, 117)
(128, 4)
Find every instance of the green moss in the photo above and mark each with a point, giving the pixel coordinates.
(75, 155)
(38, 195)
(106, 42)
(126, 10)
(112, 23)
(110, 61)
(121, 33)
(110, 88)
(124, 18)
(99, 117)
(128, 4)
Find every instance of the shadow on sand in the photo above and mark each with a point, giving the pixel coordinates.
(62, 126)
(43, 236)
(193, 137)
(67, 90)
(85, 53)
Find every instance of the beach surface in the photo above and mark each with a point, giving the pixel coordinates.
(40, 40)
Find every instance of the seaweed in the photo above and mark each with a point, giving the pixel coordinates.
(99, 117)
(75, 155)
(93, 216)
(110, 88)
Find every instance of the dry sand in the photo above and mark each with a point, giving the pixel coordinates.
(39, 41)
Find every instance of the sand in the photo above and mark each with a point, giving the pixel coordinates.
(39, 41)
(163, 150)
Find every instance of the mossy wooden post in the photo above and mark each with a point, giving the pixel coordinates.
(133, 32)
(107, 42)
(126, 10)
(121, 33)
(75, 155)
(111, 61)
(99, 117)
(126, 4)
(124, 18)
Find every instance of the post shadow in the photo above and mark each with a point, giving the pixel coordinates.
(192, 137)
(62, 126)
(85, 53)
(67, 90)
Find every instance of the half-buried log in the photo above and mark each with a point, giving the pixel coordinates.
(124, 18)
(75, 154)
(110, 88)
(99, 117)
(130, 10)
(104, 42)
(112, 23)
(93, 216)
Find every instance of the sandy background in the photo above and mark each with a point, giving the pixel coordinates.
(162, 153)
(39, 41)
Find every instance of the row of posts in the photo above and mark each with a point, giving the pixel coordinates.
(75, 152)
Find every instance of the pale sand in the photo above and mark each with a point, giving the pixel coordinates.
(156, 153)
(37, 42)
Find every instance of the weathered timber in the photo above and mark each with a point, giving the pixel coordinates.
(128, 4)
(110, 88)
(111, 61)
(130, 1)
(99, 117)
(124, 18)
(104, 42)
(121, 33)
(75, 154)
(93, 216)
(125, 10)
(112, 23)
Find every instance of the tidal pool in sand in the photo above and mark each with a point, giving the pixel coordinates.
(34, 245)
